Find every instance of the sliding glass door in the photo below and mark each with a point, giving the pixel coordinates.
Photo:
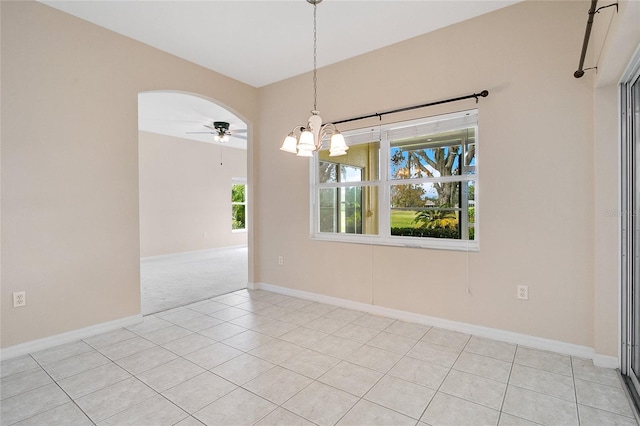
(630, 366)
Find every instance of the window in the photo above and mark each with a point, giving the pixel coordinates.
(238, 205)
(412, 183)
(347, 199)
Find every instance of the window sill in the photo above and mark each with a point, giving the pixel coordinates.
(407, 242)
(239, 231)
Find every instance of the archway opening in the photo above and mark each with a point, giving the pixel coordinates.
(192, 155)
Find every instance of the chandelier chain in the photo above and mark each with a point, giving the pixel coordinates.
(315, 61)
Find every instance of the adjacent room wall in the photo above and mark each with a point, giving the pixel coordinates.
(185, 194)
(535, 193)
(70, 165)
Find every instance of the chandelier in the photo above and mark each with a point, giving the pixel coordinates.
(305, 140)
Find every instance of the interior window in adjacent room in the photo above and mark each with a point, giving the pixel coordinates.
(238, 204)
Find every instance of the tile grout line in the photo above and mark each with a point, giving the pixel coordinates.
(201, 408)
(504, 397)
(60, 387)
(575, 389)
(340, 360)
(275, 365)
(445, 377)
(381, 377)
(113, 362)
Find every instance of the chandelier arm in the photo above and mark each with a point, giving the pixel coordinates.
(328, 129)
(299, 128)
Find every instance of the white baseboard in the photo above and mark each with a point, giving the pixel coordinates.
(476, 330)
(67, 337)
(606, 361)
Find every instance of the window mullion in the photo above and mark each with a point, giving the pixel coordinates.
(314, 200)
(418, 181)
(464, 195)
(384, 208)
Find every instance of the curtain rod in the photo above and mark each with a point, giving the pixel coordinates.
(482, 94)
(587, 34)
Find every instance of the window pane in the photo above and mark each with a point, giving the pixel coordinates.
(428, 195)
(237, 193)
(469, 165)
(328, 210)
(434, 155)
(349, 210)
(471, 209)
(350, 174)
(361, 163)
(327, 172)
(433, 210)
(237, 216)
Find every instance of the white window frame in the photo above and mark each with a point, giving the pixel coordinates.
(240, 181)
(429, 125)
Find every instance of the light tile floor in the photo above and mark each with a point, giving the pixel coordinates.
(204, 274)
(254, 357)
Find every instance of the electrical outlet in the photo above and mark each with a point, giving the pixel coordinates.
(280, 260)
(523, 292)
(19, 299)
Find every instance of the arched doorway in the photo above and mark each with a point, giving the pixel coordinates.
(192, 158)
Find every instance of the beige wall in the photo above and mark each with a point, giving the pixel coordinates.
(70, 165)
(622, 40)
(185, 194)
(69, 172)
(536, 166)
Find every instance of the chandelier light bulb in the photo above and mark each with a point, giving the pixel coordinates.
(338, 146)
(290, 143)
(307, 142)
(305, 153)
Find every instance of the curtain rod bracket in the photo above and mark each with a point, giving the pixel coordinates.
(587, 34)
(604, 7)
(580, 73)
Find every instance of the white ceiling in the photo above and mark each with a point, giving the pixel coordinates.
(179, 114)
(264, 41)
(259, 42)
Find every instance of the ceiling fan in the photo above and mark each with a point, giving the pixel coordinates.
(221, 132)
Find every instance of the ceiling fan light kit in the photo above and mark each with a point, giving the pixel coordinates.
(305, 140)
(221, 132)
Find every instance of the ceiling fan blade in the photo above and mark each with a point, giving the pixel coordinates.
(208, 133)
(238, 131)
